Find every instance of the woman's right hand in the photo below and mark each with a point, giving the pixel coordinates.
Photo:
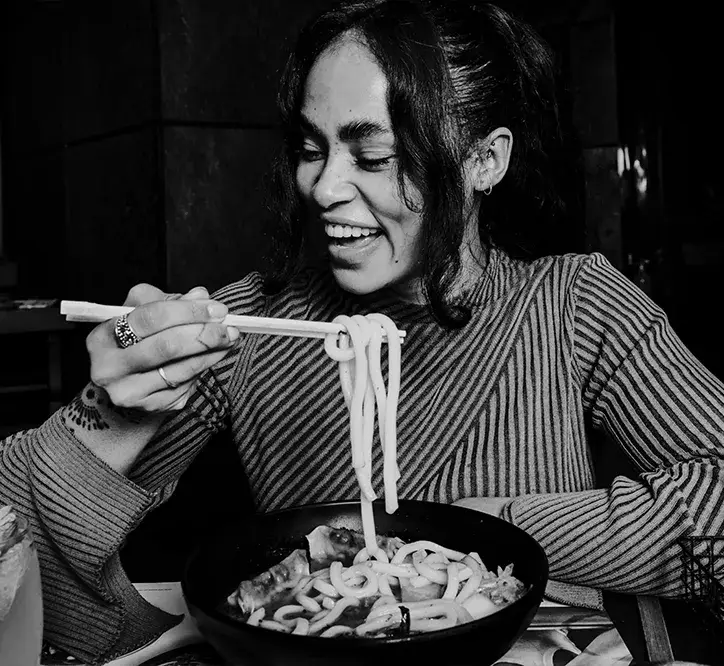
(182, 334)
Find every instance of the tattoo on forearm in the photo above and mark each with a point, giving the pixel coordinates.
(85, 413)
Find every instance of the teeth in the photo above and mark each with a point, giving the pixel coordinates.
(346, 231)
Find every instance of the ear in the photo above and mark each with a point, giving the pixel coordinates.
(489, 161)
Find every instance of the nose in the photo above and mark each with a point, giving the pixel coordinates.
(333, 185)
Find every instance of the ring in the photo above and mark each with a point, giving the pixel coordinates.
(169, 383)
(125, 335)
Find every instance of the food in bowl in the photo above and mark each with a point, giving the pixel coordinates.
(241, 550)
(334, 588)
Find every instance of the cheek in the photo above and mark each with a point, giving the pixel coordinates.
(304, 180)
(385, 199)
(407, 222)
(406, 218)
(299, 181)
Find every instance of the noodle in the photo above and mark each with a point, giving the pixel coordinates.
(455, 588)
(360, 373)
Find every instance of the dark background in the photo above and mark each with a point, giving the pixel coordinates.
(136, 135)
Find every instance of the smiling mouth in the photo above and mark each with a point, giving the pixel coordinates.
(343, 234)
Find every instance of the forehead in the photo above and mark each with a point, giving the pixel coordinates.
(345, 84)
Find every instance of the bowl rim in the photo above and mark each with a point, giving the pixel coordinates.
(536, 589)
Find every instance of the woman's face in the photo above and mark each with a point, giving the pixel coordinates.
(347, 174)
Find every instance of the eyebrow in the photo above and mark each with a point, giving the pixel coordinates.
(351, 132)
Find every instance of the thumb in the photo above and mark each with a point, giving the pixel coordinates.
(144, 293)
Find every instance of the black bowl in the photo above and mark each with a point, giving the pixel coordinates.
(217, 566)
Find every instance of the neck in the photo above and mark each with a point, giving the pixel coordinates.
(473, 262)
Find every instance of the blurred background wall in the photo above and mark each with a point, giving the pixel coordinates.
(136, 134)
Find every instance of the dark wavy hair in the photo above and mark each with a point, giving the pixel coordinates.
(456, 70)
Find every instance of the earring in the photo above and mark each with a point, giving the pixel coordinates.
(489, 188)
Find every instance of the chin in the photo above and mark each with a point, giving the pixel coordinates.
(356, 282)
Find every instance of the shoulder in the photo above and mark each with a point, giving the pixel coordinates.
(552, 273)
(567, 266)
(606, 302)
(600, 280)
(578, 273)
(579, 285)
(593, 282)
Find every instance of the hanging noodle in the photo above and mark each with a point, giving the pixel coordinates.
(363, 386)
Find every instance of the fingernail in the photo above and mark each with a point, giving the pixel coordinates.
(233, 333)
(218, 311)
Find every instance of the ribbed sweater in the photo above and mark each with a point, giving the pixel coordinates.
(502, 407)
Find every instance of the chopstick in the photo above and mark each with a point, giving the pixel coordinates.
(83, 311)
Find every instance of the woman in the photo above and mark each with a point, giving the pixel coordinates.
(423, 147)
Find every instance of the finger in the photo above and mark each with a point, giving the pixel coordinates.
(143, 293)
(169, 346)
(196, 293)
(189, 369)
(191, 294)
(170, 400)
(134, 391)
(153, 317)
(150, 318)
(147, 293)
(176, 344)
(145, 320)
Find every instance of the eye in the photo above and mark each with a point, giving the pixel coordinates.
(309, 154)
(369, 163)
(308, 150)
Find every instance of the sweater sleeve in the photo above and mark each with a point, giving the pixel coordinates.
(651, 396)
(81, 510)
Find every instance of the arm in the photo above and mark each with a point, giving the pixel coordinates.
(81, 510)
(666, 410)
(83, 494)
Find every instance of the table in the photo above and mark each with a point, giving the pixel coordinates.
(690, 637)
